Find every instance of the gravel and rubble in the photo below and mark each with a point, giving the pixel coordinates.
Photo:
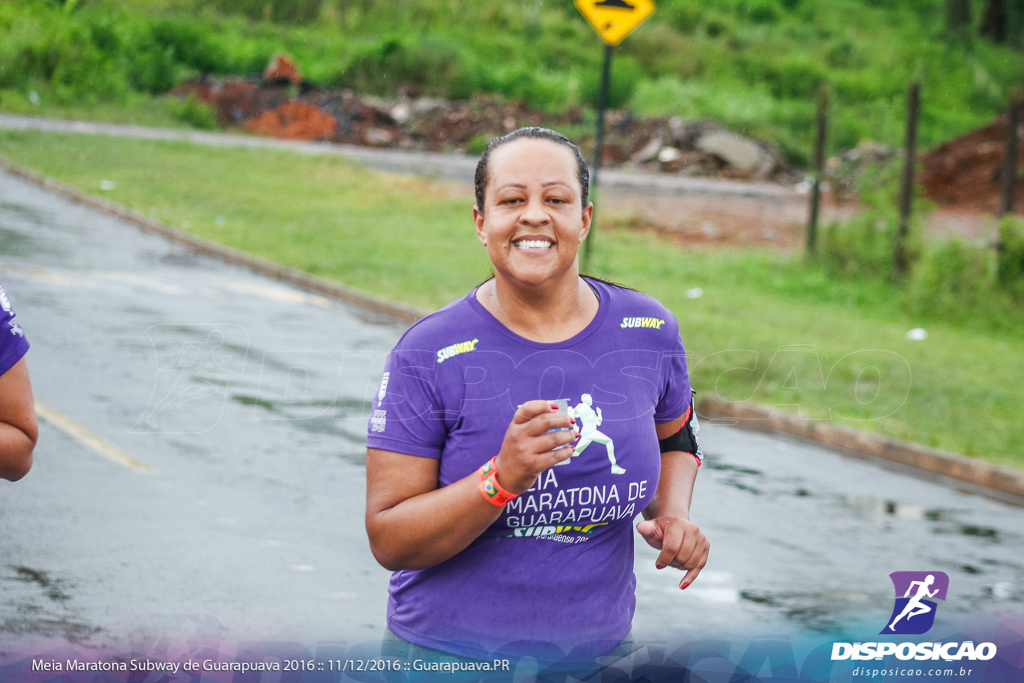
(844, 171)
(963, 176)
(282, 104)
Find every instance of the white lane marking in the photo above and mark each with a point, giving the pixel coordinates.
(276, 292)
(212, 290)
(90, 440)
(39, 275)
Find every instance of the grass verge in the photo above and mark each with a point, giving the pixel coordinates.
(767, 328)
(133, 109)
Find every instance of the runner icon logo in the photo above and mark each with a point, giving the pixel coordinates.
(916, 593)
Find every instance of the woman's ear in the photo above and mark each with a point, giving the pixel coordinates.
(478, 221)
(588, 217)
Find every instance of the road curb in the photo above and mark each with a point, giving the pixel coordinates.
(1002, 480)
(394, 309)
(1007, 482)
(434, 164)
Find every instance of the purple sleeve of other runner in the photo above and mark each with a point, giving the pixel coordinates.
(13, 344)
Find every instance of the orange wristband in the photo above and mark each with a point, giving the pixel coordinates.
(491, 490)
(487, 468)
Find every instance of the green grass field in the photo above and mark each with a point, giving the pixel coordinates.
(768, 328)
(753, 65)
(133, 109)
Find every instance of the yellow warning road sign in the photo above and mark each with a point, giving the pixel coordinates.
(615, 19)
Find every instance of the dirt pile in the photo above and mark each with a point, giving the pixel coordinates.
(967, 173)
(282, 70)
(283, 105)
(294, 121)
(234, 100)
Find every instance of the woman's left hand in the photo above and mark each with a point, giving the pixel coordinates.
(681, 542)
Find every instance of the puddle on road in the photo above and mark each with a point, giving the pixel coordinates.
(15, 244)
(824, 612)
(51, 586)
(756, 482)
(15, 240)
(23, 614)
(340, 408)
(941, 520)
(716, 465)
(880, 507)
(974, 547)
(977, 531)
(186, 258)
(254, 401)
(190, 450)
(734, 475)
(75, 633)
(23, 212)
(341, 418)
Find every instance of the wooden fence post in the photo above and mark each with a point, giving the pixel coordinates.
(900, 259)
(819, 169)
(1010, 158)
(595, 169)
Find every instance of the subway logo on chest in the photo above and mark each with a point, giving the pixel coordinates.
(641, 321)
(456, 349)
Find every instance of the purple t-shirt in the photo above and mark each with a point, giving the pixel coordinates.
(13, 344)
(554, 574)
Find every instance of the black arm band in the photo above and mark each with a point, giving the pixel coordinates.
(685, 439)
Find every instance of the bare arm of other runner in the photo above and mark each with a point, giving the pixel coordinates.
(18, 427)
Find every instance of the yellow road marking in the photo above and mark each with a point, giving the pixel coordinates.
(90, 440)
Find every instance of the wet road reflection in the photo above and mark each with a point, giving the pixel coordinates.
(249, 399)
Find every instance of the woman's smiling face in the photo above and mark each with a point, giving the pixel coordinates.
(532, 221)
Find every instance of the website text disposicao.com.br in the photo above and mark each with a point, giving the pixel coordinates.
(904, 672)
(948, 652)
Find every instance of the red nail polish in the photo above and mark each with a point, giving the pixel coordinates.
(572, 420)
(554, 406)
(660, 566)
(683, 586)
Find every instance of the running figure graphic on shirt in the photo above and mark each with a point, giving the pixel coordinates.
(589, 421)
(914, 605)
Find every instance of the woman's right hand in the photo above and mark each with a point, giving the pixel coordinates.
(529, 445)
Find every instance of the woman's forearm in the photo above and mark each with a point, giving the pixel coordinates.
(675, 487)
(412, 523)
(427, 528)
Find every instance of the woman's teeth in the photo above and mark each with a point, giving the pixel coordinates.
(533, 244)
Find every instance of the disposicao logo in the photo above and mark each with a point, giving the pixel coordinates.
(916, 593)
(913, 614)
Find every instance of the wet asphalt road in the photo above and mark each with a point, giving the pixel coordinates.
(247, 401)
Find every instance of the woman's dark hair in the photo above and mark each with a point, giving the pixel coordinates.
(536, 133)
